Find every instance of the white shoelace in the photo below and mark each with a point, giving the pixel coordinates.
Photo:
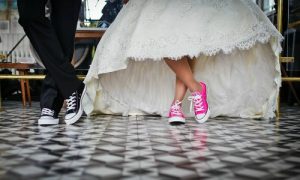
(198, 102)
(46, 111)
(71, 102)
(175, 108)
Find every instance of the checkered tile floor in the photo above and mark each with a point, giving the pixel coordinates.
(134, 148)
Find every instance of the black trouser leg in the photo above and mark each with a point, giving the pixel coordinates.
(45, 39)
(50, 95)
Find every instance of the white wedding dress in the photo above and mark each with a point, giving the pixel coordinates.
(235, 45)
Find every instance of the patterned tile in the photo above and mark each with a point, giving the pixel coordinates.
(179, 173)
(252, 173)
(43, 157)
(28, 171)
(142, 148)
(108, 158)
(104, 172)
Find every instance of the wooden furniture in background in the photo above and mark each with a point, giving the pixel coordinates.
(88, 34)
(24, 83)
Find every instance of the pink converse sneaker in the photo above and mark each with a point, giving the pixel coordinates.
(199, 99)
(175, 114)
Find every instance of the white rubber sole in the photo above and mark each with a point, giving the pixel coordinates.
(77, 116)
(176, 120)
(48, 121)
(205, 118)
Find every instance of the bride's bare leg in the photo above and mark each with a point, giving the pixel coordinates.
(184, 74)
(180, 90)
(180, 87)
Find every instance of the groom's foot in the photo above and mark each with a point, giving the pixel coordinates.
(74, 106)
(48, 117)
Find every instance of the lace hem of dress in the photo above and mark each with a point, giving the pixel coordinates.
(263, 34)
(260, 33)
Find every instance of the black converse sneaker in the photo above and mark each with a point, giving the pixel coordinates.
(74, 106)
(47, 117)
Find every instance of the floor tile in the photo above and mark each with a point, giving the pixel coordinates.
(147, 147)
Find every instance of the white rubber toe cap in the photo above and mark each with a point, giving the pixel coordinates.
(201, 118)
(48, 120)
(176, 120)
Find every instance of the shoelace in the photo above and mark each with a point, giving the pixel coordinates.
(46, 111)
(176, 108)
(198, 102)
(71, 102)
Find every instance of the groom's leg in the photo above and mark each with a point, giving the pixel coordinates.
(64, 17)
(44, 39)
(51, 97)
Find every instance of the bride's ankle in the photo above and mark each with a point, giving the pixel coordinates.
(196, 87)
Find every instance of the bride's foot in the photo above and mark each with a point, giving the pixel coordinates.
(176, 115)
(199, 100)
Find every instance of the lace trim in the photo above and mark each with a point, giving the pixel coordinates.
(262, 35)
(209, 47)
